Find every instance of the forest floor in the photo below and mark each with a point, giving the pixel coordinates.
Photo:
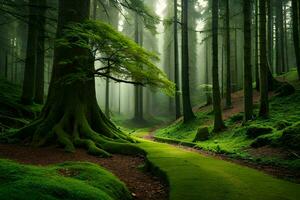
(220, 168)
(129, 169)
(267, 151)
(194, 176)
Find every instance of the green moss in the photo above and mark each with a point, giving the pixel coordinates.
(284, 111)
(268, 139)
(184, 131)
(64, 181)
(291, 137)
(282, 124)
(254, 130)
(192, 176)
(236, 118)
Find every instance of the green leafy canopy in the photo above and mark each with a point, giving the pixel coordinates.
(122, 59)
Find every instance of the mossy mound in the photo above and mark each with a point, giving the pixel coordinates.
(268, 139)
(285, 89)
(80, 181)
(202, 134)
(253, 131)
(291, 137)
(237, 118)
(280, 125)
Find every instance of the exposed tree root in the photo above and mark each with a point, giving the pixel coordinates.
(75, 127)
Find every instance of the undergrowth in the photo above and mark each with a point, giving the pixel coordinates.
(236, 140)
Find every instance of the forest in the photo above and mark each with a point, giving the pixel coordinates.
(150, 99)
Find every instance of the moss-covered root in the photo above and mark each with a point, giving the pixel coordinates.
(73, 130)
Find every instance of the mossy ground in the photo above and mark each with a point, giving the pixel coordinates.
(192, 176)
(63, 181)
(284, 111)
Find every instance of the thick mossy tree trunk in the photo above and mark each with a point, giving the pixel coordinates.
(71, 116)
(218, 121)
(248, 95)
(188, 114)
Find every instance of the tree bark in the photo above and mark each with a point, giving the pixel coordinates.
(71, 116)
(270, 33)
(264, 102)
(257, 45)
(248, 96)
(218, 121)
(30, 62)
(176, 64)
(188, 114)
(280, 65)
(40, 63)
(138, 90)
(228, 57)
(295, 16)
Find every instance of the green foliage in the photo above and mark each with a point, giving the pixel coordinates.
(64, 181)
(123, 59)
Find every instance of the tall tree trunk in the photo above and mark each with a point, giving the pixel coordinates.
(295, 20)
(257, 44)
(218, 121)
(107, 98)
(228, 57)
(188, 114)
(40, 63)
(71, 116)
(264, 102)
(138, 90)
(6, 66)
(280, 65)
(30, 63)
(236, 60)
(176, 63)
(208, 95)
(270, 33)
(248, 96)
(286, 44)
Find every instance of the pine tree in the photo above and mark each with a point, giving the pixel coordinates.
(218, 121)
(228, 56)
(188, 114)
(248, 96)
(28, 91)
(295, 18)
(264, 102)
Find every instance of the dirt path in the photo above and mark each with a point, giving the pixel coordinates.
(143, 186)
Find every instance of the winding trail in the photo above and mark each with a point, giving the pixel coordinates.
(193, 176)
